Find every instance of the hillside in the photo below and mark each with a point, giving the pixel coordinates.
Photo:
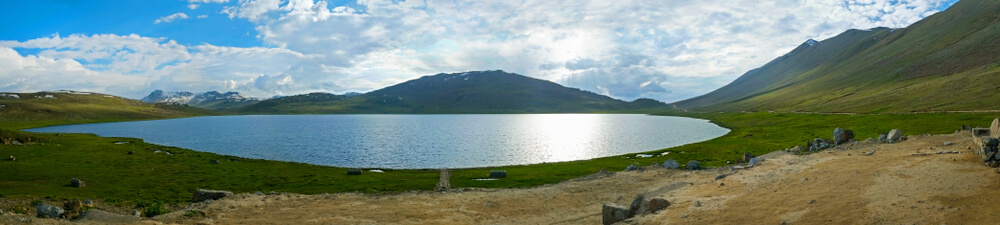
(18, 110)
(207, 100)
(949, 61)
(470, 92)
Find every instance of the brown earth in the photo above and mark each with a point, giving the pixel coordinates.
(840, 186)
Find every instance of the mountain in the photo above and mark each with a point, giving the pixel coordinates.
(470, 92)
(207, 100)
(18, 110)
(946, 62)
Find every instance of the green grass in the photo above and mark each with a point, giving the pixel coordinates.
(44, 170)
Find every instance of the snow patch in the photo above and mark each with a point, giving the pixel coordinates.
(811, 42)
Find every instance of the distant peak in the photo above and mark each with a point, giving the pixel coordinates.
(811, 42)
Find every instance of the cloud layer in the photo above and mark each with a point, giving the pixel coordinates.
(666, 50)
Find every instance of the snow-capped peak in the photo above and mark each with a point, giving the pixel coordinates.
(811, 42)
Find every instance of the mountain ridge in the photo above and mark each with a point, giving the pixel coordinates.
(945, 62)
(207, 100)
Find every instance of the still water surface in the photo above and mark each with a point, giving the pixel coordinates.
(414, 141)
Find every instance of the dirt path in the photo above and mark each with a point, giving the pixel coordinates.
(832, 187)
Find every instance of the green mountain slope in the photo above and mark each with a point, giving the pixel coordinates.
(470, 92)
(948, 61)
(21, 110)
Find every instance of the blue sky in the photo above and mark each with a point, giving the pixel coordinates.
(665, 50)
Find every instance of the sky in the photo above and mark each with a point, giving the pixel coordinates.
(668, 50)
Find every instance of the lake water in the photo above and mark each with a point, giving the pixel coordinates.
(414, 141)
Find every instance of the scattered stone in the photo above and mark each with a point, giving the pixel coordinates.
(697, 203)
(895, 136)
(805, 179)
(88, 203)
(995, 128)
(613, 213)
(722, 184)
(638, 206)
(131, 152)
(11, 158)
(753, 162)
(693, 165)
(979, 132)
(870, 153)
(671, 164)
(136, 213)
(101, 217)
(797, 148)
(201, 195)
(947, 143)
(214, 161)
(657, 204)
(784, 223)
(77, 183)
(747, 156)
(819, 144)
(966, 127)
(883, 137)
(498, 174)
(721, 176)
(631, 167)
(260, 193)
(353, 172)
(48, 211)
(841, 136)
(812, 201)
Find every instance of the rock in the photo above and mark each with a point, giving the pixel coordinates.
(131, 152)
(721, 176)
(214, 161)
(613, 213)
(136, 213)
(966, 127)
(841, 136)
(498, 174)
(11, 158)
(753, 162)
(260, 193)
(638, 206)
(631, 167)
(97, 216)
(657, 204)
(995, 128)
(819, 144)
(693, 165)
(77, 183)
(353, 172)
(671, 164)
(978, 132)
(797, 148)
(895, 135)
(947, 143)
(88, 203)
(48, 211)
(747, 156)
(883, 137)
(201, 195)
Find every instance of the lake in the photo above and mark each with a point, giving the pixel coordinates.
(414, 141)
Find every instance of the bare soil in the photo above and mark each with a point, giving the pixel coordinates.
(837, 186)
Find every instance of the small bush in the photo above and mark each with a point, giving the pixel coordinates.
(155, 209)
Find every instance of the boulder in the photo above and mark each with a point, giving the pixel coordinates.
(97, 216)
(693, 165)
(353, 172)
(214, 161)
(498, 174)
(77, 183)
(979, 132)
(48, 211)
(657, 204)
(819, 144)
(797, 148)
(631, 167)
(747, 156)
(841, 135)
(638, 206)
(883, 137)
(613, 213)
(995, 128)
(201, 195)
(894, 136)
(671, 164)
(753, 162)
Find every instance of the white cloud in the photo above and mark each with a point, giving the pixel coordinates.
(667, 50)
(202, 16)
(193, 6)
(171, 17)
